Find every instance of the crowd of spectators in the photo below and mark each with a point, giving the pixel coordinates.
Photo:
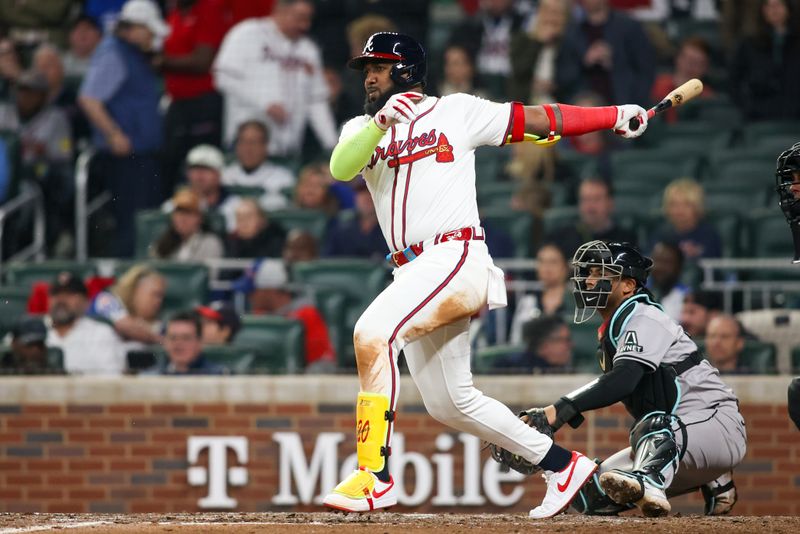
(221, 113)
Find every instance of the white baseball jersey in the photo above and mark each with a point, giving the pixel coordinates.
(422, 175)
(258, 66)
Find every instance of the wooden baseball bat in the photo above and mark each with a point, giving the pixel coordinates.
(677, 97)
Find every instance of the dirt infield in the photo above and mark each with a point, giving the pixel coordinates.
(390, 523)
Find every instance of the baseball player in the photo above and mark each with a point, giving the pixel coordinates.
(416, 153)
(787, 183)
(688, 432)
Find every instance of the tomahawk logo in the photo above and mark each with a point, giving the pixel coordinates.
(631, 343)
(218, 475)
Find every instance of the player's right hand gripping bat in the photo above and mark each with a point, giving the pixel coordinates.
(677, 97)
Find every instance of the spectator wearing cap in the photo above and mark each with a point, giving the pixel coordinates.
(548, 347)
(194, 115)
(183, 343)
(358, 236)
(254, 235)
(699, 307)
(220, 323)
(28, 354)
(188, 237)
(120, 95)
(268, 69)
(84, 36)
(725, 343)
(46, 140)
(273, 296)
(253, 169)
(204, 178)
(133, 306)
(89, 346)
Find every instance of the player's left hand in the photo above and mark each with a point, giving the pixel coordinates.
(625, 113)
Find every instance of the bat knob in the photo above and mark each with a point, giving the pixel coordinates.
(633, 124)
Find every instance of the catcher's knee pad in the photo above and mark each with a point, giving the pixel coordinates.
(654, 447)
(374, 417)
(592, 500)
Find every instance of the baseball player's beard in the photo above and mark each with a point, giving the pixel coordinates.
(371, 108)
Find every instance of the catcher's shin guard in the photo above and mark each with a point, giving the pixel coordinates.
(374, 416)
(654, 447)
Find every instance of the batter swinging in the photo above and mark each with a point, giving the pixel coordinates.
(416, 153)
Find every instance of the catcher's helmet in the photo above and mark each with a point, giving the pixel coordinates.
(411, 65)
(787, 167)
(602, 263)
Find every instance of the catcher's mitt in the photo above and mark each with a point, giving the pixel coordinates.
(535, 418)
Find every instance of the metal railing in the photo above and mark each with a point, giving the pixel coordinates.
(31, 196)
(723, 275)
(84, 207)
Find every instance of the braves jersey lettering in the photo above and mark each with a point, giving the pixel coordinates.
(423, 184)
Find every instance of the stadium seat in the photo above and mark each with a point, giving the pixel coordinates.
(24, 275)
(13, 305)
(638, 202)
(150, 224)
(580, 164)
(746, 174)
(559, 217)
(769, 234)
(516, 223)
(55, 358)
(496, 194)
(755, 133)
(187, 283)
(585, 345)
(252, 191)
(675, 163)
(731, 230)
(236, 359)
(278, 343)
(312, 221)
(483, 360)
(332, 304)
(796, 360)
(757, 356)
(489, 162)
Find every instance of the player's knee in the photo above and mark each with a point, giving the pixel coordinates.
(451, 408)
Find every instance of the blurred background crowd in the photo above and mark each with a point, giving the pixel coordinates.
(166, 204)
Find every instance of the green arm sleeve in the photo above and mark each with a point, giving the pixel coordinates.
(353, 153)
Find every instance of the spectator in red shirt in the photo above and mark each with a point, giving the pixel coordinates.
(195, 114)
(273, 296)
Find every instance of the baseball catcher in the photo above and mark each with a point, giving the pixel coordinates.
(787, 183)
(688, 432)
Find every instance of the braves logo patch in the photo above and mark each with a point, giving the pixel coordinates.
(631, 342)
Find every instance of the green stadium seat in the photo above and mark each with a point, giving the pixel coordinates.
(516, 223)
(13, 305)
(731, 230)
(776, 143)
(24, 275)
(580, 164)
(312, 221)
(251, 191)
(755, 133)
(743, 174)
(640, 203)
(279, 343)
(559, 217)
(674, 163)
(187, 283)
(150, 224)
(769, 235)
(496, 194)
(727, 158)
(483, 360)
(55, 358)
(236, 359)
(489, 163)
(643, 224)
(332, 304)
(796, 360)
(585, 344)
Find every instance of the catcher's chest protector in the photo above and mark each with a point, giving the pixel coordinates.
(657, 391)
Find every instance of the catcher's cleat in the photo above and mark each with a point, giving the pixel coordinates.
(563, 486)
(719, 495)
(362, 491)
(625, 488)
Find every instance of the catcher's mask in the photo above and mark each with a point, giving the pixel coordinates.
(596, 265)
(787, 175)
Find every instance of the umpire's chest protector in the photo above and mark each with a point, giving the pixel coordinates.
(658, 390)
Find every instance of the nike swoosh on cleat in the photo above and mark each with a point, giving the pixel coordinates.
(378, 495)
(563, 488)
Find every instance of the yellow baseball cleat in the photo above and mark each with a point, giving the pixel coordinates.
(362, 491)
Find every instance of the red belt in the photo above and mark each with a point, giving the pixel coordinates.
(401, 257)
